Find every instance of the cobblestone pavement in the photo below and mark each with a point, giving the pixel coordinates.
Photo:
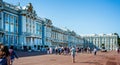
(102, 58)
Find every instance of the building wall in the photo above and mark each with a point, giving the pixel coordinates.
(65, 38)
(110, 41)
(22, 28)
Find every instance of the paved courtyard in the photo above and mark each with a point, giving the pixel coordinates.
(106, 58)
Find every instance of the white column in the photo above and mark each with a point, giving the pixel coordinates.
(24, 42)
(38, 41)
(35, 42)
(116, 40)
(23, 23)
(2, 20)
(29, 25)
(31, 42)
(45, 35)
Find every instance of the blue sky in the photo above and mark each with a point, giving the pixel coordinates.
(82, 16)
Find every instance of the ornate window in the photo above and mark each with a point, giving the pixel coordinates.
(16, 20)
(11, 28)
(6, 18)
(11, 39)
(0, 15)
(11, 19)
(6, 27)
(6, 39)
(0, 20)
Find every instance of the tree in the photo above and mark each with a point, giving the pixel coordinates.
(103, 46)
(119, 41)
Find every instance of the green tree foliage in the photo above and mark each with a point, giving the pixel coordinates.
(103, 46)
(119, 41)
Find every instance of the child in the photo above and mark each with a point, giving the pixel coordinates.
(13, 55)
(4, 55)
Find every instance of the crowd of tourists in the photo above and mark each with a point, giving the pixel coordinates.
(66, 50)
(7, 55)
(71, 51)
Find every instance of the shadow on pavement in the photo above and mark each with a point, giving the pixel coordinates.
(26, 53)
(94, 63)
(111, 63)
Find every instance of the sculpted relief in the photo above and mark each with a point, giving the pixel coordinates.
(30, 7)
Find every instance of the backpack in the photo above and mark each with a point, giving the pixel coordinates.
(3, 61)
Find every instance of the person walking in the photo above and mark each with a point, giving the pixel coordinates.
(48, 50)
(73, 54)
(56, 50)
(95, 51)
(51, 50)
(4, 55)
(118, 50)
(13, 55)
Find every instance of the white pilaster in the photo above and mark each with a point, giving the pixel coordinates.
(31, 41)
(23, 23)
(2, 20)
(24, 40)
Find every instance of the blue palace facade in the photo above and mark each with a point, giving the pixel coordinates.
(22, 28)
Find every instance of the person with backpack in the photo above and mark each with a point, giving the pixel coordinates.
(4, 55)
(13, 55)
(73, 53)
